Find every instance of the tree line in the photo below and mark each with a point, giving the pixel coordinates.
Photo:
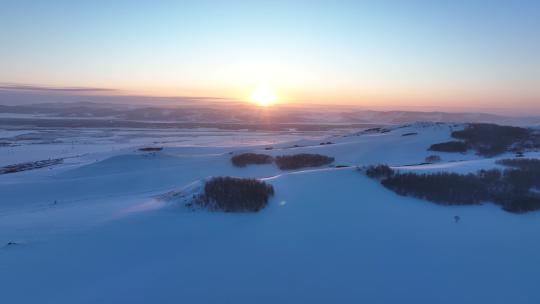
(284, 162)
(514, 189)
(490, 140)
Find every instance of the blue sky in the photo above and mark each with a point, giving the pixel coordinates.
(417, 53)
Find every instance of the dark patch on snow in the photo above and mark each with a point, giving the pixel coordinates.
(244, 159)
(30, 165)
(304, 160)
(151, 149)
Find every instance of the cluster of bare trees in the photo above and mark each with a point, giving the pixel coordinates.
(514, 189)
(284, 162)
(490, 140)
(232, 194)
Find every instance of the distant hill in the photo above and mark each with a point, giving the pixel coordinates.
(219, 112)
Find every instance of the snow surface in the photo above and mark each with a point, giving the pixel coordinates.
(97, 228)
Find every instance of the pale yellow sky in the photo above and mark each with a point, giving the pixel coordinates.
(407, 54)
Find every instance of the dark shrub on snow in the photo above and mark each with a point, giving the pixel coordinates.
(232, 194)
(30, 165)
(298, 161)
(151, 149)
(433, 159)
(242, 160)
(450, 146)
(379, 171)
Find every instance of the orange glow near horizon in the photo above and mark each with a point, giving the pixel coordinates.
(261, 94)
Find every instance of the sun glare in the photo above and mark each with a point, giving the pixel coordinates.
(263, 96)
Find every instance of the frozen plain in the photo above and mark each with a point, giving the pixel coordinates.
(92, 229)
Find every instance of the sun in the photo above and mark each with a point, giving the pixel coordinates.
(263, 96)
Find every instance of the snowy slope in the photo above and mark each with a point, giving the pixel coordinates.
(329, 235)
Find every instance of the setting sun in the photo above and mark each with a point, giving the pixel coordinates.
(263, 96)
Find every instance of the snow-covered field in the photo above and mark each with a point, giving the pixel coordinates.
(92, 230)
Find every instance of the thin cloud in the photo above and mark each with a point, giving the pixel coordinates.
(82, 90)
(33, 88)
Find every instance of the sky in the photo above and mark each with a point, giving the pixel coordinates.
(425, 54)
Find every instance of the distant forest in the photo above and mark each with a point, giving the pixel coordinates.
(490, 140)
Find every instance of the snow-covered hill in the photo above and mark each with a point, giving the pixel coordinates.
(97, 230)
